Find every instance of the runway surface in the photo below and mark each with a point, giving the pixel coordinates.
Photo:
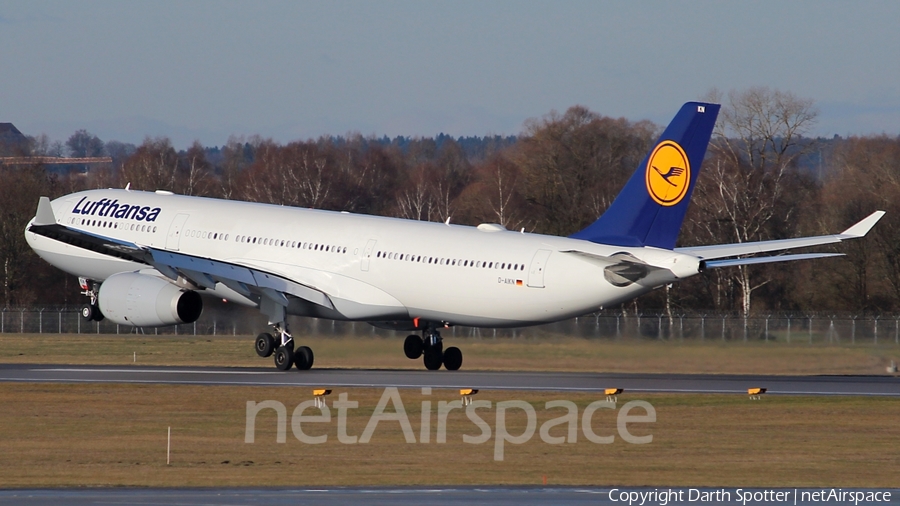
(545, 381)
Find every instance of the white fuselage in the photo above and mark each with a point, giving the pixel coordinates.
(373, 268)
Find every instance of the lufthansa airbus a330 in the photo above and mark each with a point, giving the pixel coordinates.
(145, 258)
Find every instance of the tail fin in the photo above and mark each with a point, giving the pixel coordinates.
(650, 209)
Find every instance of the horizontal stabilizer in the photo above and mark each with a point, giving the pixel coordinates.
(713, 264)
(750, 248)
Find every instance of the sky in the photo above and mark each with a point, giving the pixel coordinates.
(293, 70)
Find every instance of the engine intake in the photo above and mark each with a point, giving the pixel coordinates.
(130, 298)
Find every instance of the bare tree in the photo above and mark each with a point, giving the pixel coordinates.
(366, 173)
(495, 195)
(865, 176)
(574, 164)
(757, 140)
(237, 156)
(414, 201)
(154, 166)
(84, 144)
(197, 174)
(24, 275)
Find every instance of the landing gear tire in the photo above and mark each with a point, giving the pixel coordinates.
(303, 358)
(433, 358)
(284, 358)
(91, 313)
(413, 347)
(452, 358)
(265, 345)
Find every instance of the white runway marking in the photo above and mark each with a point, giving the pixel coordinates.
(488, 380)
(742, 391)
(160, 371)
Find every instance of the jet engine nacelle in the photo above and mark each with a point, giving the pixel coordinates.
(130, 298)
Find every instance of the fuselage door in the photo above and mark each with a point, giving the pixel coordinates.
(367, 254)
(538, 266)
(173, 240)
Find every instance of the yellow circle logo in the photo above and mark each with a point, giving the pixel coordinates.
(668, 173)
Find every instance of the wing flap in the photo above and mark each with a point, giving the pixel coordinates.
(213, 268)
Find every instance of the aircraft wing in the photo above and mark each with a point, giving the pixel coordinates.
(201, 272)
(711, 254)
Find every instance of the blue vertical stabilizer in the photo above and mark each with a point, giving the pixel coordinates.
(650, 209)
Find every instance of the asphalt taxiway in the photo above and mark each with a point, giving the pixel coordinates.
(487, 380)
(432, 496)
(416, 496)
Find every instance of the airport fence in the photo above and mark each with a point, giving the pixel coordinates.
(233, 320)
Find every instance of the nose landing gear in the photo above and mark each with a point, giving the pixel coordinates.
(90, 312)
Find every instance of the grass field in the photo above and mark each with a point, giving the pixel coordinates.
(115, 435)
(549, 353)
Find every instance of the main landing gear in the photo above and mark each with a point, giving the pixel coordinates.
(430, 348)
(283, 349)
(90, 312)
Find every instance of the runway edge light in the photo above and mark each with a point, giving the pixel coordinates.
(612, 394)
(467, 394)
(755, 393)
(319, 394)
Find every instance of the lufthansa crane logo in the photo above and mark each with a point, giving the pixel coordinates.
(668, 174)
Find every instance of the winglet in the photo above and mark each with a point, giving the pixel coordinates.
(44, 214)
(862, 228)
